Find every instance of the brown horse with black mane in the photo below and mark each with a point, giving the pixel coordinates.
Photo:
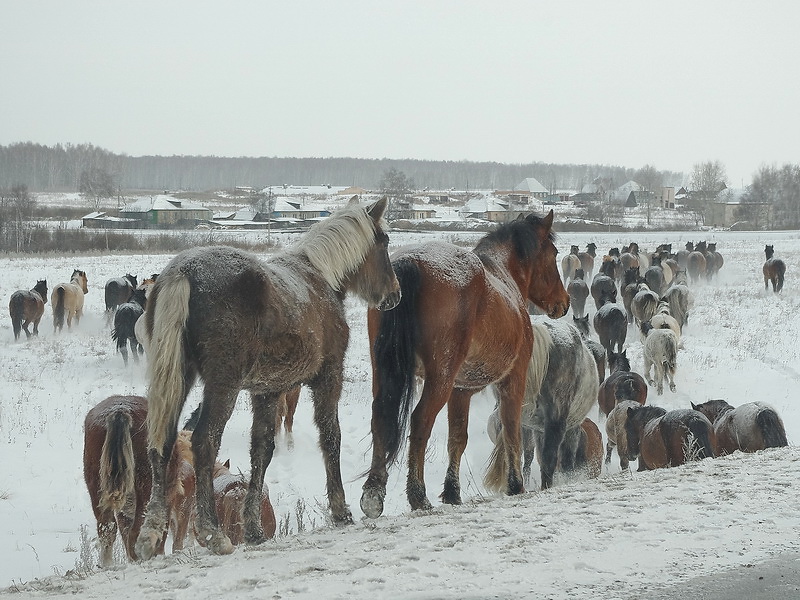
(667, 439)
(462, 325)
(26, 307)
(774, 270)
(240, 323)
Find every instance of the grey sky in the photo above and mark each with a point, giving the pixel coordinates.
(622, 83)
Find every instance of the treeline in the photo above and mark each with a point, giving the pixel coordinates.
(779, 188)
(58, 168)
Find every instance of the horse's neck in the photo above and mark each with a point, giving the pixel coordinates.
(497, 262)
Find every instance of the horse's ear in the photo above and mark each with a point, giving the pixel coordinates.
(548, 220)
(353, 200)
(376, 210)
(694, 407)
(630, 411)
(227, 464)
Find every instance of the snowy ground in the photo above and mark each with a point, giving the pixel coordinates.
(618, 536)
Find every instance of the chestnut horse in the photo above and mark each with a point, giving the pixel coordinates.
(667, 439)
(67, 300)
(230, 492)
(621, 384)
(748, 427)
(117, 475)
(26, 307)
(239, 323)
(774, 270)
(462, 324)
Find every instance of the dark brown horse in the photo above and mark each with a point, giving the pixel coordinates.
(621, 384)
(67, 300)
(748, 427)
(117, 475)
(714, 260)
(774, 270)
(696, 264)
(667, 439)
(237, 323)
(587, 259)
(119, 291)
(462, 324)
(26, 307)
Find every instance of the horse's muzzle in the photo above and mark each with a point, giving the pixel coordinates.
(390, 300)
(558, 310)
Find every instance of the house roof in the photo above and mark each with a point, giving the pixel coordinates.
(161, 202)
(530, 185)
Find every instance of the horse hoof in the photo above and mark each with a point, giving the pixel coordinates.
(219, 543)
(372, 503)
(146, 545)
(672, 388)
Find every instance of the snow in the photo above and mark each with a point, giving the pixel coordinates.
(622, 535)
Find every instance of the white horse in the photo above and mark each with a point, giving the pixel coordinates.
(67, 300)
(660, 353)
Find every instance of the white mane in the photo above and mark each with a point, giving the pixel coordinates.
(337, 246)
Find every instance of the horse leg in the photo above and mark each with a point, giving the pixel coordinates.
(528, 446)
(262, 446)
(457, 420)
(219, 398)
(156, 519)
(511, 391)
(292, 398)
(106, 534)
(134, 349)
(670, 373)
(647, 365)
(327, 389)
(549, 450)
(434, 397)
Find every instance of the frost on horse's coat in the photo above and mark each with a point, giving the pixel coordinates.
(239, 323)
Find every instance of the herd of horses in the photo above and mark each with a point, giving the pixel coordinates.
(456, 320)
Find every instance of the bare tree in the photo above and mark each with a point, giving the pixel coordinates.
(95, 184)
(398, 188)
(706, 181)
(16, 211)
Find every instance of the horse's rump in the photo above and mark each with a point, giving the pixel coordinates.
(117, 463)
(772, 429)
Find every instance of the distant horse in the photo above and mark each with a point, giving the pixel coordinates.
(682, 256)
(774, 270)
(628, 261)
(660, 353)
(667, 439)
(654, 278)
(119, 291)
(615, 428)
(644, 305)
(462, 324)
(125, 318)
(26, 307)
(117, 475)
(663, 319)
(570, 263)
(615, 388)
(578, 291)
(239, 323)
(596, 348)
(611, 324)
(604, 284)
(679, 298)
(696, 262)
(561, 387)
(587, 258)
(630, 286)
(644, 260)
(230, 492)
(714, 260)
(67, 300)
(748, 427)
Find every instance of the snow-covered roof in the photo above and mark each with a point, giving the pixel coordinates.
(531, 185)
(161, 202)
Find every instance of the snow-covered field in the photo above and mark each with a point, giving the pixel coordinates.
(614, 537)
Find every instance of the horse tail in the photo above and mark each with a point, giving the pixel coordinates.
(395, 361)
(58, 307)
(16, 307)
(496, 477)
(701, 431)
(781, 269)
(117, 463)
(772, 429)
(625, 390)
(167, 365)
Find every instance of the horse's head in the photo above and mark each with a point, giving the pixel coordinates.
(618, 361)
(536, 243)
(769, 251)
(574, 250)
(579, 274)
(712, 408)
(79, 279)
(689, 246)
(375, 281)
(581, 324)
(41, 289)
(591, 247)
(132, 279)
(712, 246)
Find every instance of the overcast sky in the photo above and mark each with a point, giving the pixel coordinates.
(621, 83)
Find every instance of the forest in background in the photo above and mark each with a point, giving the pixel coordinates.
(58, 168)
